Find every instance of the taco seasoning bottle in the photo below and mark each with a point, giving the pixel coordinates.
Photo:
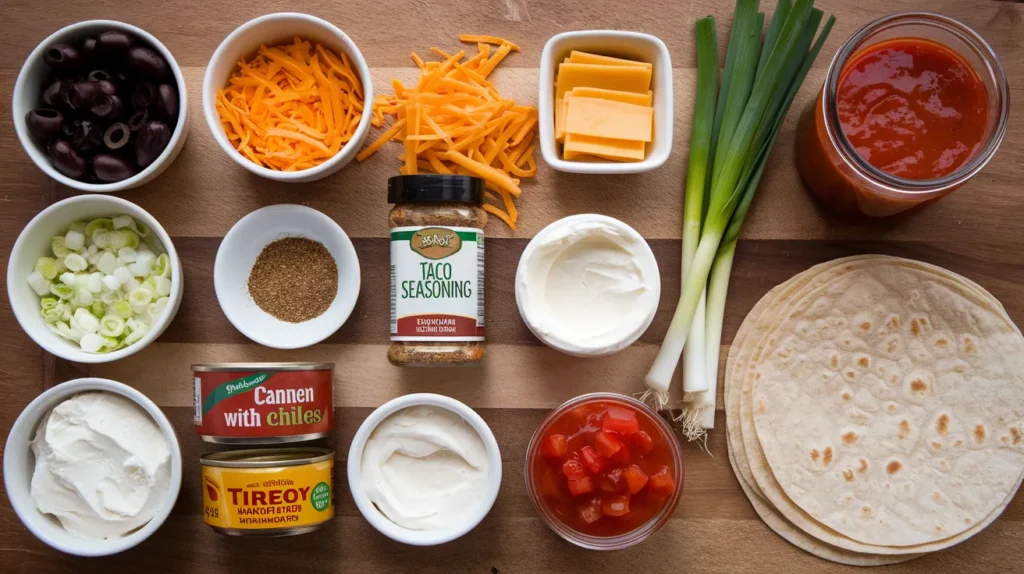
(437, 270)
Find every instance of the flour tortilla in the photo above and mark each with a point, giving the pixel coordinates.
(967, 496)
(740, 354)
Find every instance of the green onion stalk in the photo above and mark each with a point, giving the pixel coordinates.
(744, 142)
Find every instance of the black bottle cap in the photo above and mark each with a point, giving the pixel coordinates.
(432, 187)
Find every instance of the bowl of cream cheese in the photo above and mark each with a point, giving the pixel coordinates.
(92, 467)
(424, 469)
(588, 285)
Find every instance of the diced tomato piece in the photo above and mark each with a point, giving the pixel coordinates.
(591, 460)
(613, 482)
(554, 446)
(573, 469)
(635, 478)
(607, 444)
(617, 505)
(662, 482)
(580, 486)
(621, 458)
(620, 420)
(590, 511)
(642, 442)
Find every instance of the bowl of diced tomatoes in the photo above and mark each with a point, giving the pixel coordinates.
(604, 471)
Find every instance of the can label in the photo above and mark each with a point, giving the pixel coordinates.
(437, 284)
(263, 404)
(268, 498)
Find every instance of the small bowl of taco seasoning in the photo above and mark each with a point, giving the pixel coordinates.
(286, 276)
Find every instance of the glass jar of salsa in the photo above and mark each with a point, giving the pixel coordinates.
(604, 471)
(913, 105)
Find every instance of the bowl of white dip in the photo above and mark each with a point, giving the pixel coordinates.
(92, 467)
(424, 469)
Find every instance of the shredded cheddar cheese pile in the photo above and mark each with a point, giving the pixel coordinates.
(455, 121)
(292, 106)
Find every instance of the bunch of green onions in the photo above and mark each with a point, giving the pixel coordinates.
(734, 128)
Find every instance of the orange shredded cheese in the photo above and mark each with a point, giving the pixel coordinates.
(454, 121)
(293, 106)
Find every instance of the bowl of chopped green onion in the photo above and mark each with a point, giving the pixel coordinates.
(94, 278)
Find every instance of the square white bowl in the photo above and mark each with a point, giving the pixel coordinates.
(631, 45)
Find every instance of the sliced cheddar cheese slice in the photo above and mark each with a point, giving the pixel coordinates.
(577, 57)
(615, 95)
(625, 78)
(608, 148)
(561, 109)
(609, 119)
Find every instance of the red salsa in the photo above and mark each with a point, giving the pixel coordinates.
(912, 108)
(604, 468)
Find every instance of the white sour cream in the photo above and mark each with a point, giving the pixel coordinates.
(102, 465)
(588, 285)
(425, 468)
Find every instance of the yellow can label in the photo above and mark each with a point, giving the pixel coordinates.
(262, 498)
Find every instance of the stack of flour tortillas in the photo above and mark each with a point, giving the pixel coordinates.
(875, 409)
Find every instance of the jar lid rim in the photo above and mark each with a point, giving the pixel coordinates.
(438, 188)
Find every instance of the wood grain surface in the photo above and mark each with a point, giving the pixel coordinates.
(977, 232)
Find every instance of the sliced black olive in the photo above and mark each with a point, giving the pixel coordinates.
(147, 62)
(144, 96)
(167, 102)
(114, 43)
(89, 47)
(110, 168)
(88, 137)
(62, 57)
(82, 95)
(107, 107)
(137, 120)
(99, 75)
(66, 160)
(69, 127)
(107, 87)
(53, 95)
(117, 136)
(45, 123)
(150, 142)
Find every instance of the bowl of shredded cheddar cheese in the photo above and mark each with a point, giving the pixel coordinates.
(288, 97)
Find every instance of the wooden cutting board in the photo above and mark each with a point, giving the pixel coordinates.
(977, 232)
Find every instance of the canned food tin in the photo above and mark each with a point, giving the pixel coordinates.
(263, 403)
(268, 492)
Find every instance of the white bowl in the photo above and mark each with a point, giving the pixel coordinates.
(631, 45)
(550, 332)
(382, 523)
(34, 242)
(19, 464)
(275, 29)
(238, 252)
(29, 86)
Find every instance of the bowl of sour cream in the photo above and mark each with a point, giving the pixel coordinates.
(424, 469)
(92, 467)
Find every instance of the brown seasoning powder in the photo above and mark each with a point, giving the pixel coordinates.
(294, 279)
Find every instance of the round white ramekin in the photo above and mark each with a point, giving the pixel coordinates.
(382, 523)
(34, 242)
(273, 29)
(29, 86)
(19, 464)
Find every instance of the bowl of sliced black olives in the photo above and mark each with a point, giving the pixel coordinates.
(101, 106)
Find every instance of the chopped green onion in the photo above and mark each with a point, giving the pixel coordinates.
(38, 283)
(136, 334)
(52, 315)
(91, 343)
(79, 227)
(63, 291)
(123, 309)
(97, 224)
(49, 303)
(59, 247)
(98, 308)
(122, 221)
(129, 238)
(162, 267)
(112, 326)
(139, 299)
(47, 267)
(106, 263)
(74, 241)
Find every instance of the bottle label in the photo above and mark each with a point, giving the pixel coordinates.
(437, 284)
